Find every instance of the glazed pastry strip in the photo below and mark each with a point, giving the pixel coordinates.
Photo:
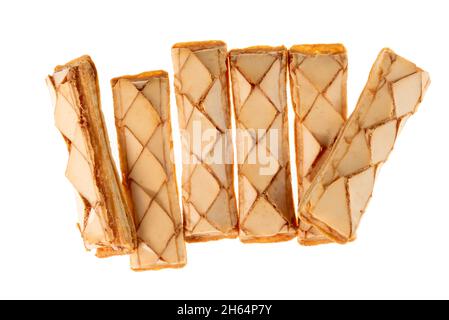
(202, 96)
(142, 113)
(340, 191)
(105, 220)
(265, 197)
(318, 75)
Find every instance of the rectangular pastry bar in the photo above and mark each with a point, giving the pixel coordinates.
(105, 220)
(318, 75)
(265, 194)
(341, 189)
(142, 115)
(202, 95)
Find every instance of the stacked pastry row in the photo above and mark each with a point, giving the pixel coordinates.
(337, 159)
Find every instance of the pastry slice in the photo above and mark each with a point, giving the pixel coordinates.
(266, 211)
(342, 188)
(202, 97)
(142, 116)
(105, 220)
(318, 75)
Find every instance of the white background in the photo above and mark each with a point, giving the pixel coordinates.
(402, 249)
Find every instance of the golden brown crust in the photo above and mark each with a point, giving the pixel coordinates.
(258, 49)
(124, 227)
(311, 242)
(199, 45)
(77, 62)
(315, 49)
(161, 267)
(206, 238)
(269, 239)
(103, 253)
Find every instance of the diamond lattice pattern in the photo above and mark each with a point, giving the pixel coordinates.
(203, 107)
(143, 126)
(265, 202)
(339, 195)
(318, 93)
